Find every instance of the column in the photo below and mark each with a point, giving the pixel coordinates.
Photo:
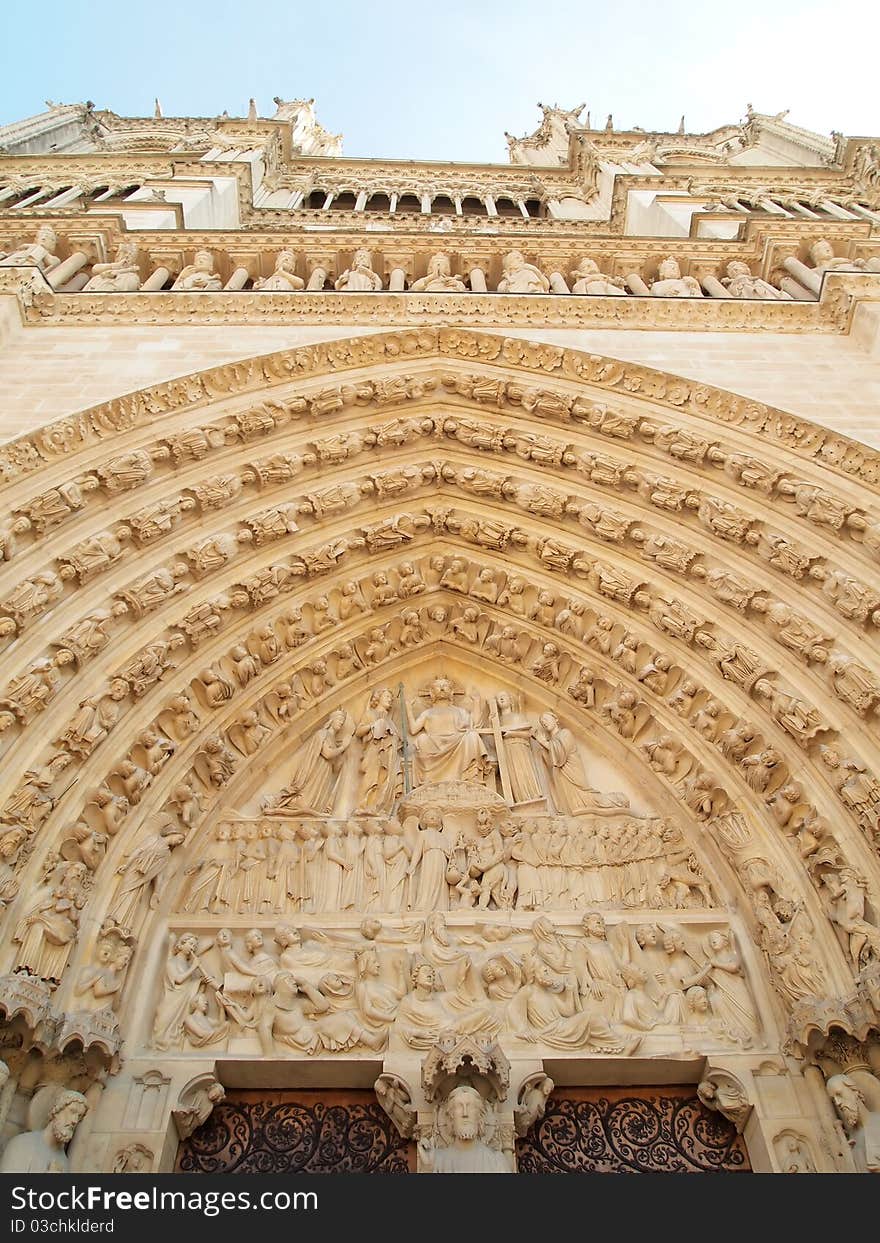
(558, 283)
(67, 268)
(478, 280)
(789, 285)
(713, 287)
(156, 280)
(397, 280)
(635, 284)
(807, 276)
(238, 279)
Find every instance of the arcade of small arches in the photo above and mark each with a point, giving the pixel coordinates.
(434, 695)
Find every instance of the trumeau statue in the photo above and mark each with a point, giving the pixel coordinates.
(463, 1123)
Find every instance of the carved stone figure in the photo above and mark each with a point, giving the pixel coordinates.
(446, 745)
(740, 283)
(569, 788)
(380, 760)
(46, 935)
(122, 275)
(521, 277)
(100, 984)
(671, 284)
(438, 278)
(40, 252)
(144, 872)
(360, 277)
(722, 1092)
(586, 278)
(44, 1151)
(199, 276)
(465, 1151)
(318, 765)
(283, 278)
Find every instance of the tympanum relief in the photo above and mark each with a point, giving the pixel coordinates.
(436, 858)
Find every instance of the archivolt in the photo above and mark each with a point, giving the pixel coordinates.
(504, 453)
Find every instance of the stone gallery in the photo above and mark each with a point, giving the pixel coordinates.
(439, 609)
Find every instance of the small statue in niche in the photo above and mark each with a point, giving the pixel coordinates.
(671, 284)
(439, 278)
(199, 276)
(283, 278)
(40, 252)
(740, 283)
(120, 276)
(360, 277)
(521, 277)
(587, 279)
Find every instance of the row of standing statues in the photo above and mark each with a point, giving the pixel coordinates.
(425, 863)
(124, 274)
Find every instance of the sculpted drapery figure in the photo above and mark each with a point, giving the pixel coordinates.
(432, 850)
(588, 279)
(671, 284)
(438, 278)
(120, 276)
(318, 766)
(446, 745)
(40, 252)
(740, 283)
(47, 933)
(379, 765)
(283, 278)
(183, 979)
(518, 757)
(143, 871)
(199, 276)
(360, 277)
(569, 787)
(521, 277)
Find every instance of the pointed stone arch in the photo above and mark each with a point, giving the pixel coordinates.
(753, 571)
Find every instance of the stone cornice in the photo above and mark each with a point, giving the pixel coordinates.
(833, 314)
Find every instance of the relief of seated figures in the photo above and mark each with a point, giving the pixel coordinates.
(402, 986)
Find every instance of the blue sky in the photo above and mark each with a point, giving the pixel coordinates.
(444, 81)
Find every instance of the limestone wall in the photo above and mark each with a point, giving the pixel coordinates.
(833, 380)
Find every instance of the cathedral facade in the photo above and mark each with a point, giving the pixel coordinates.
(439, 607)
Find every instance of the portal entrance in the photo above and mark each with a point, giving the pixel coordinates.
(630, 1131)
(327, 1132)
